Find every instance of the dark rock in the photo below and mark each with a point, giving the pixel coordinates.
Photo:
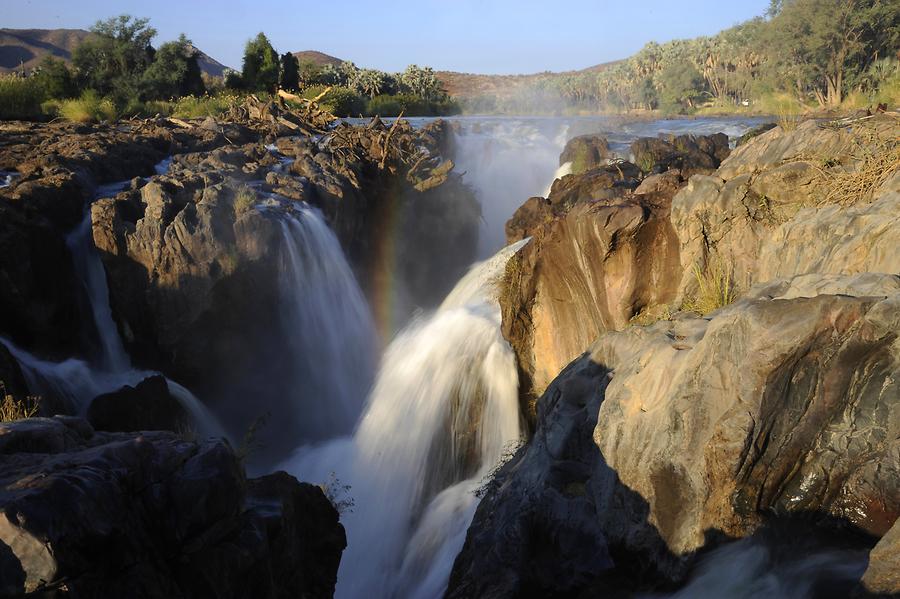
(146, 407)
(585, 152)
(755, 132)
(152, 515)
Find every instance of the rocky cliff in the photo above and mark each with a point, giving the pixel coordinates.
(677, 432)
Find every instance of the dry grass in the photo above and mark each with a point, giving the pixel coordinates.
(244, 199)
(715, 289)
(16, 409)
(874, 158)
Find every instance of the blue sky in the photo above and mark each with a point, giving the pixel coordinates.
(481, 36)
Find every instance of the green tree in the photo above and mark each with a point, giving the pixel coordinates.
(112, 61)
(823, 43)
(260, 69)
(56, 79)
(681, 85)
(174, 72)
(422, 82)
(290, 72)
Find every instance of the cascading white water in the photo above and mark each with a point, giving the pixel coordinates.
(507, 161)
(444, 406)
(92, 275)
(749, 569)
(334, 344)
(77, 382)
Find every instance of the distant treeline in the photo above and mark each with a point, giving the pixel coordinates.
(117, 72)
(806, 53)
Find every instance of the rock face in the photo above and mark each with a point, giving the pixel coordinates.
(58, 168)
(689, 153)
(585, 152)
(151, 515)
(764, 215)
(784, 403)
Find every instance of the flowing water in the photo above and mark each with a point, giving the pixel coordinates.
(331, 333)
(444, 406)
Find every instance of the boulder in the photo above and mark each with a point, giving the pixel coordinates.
(701, 430)
(148, 406)
(152, 515)
(585, 152)
(691, 154)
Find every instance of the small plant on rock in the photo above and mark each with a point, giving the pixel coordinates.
(715, 289)
(16, 409)
(338, 494)
(244, 199)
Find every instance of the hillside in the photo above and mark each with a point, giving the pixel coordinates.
(27, 47)
(462, 85)
(317, 58)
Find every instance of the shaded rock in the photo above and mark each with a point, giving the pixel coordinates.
(755, 132)
(784, 403)
(152, 515)
(585, 152)
(146, 407)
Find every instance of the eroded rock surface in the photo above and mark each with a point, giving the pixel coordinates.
(153, 515)
(702, 429)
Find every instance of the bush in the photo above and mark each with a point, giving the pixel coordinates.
(21, 98)
(89, 108)
(244, 199)
(339, 101)
(193, 107)
(384, 106)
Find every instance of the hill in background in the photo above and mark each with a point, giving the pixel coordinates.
(27, 47)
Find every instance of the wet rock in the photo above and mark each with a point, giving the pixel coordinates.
(585, 152)
(148, 406)
(152, 515)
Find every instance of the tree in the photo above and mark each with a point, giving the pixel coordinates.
(681, 84)
(311, 74)
(821, 42)
(260, 69)
(55, 79)
(112, 61)
(290, 72)
(422, 82)
(174, 72)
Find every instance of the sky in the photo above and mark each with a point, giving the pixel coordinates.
(474, 36)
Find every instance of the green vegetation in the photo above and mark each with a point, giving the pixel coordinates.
(20, 98)
(814, 53)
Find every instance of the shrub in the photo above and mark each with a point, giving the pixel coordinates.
(21, 98)
(89, 108)
(384, 106)
(192, 107)
(339, 101)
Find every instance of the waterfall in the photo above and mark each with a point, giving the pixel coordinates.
(444, 407)
(92, 275)
(77, 382)
(330, 328)
(507, 161)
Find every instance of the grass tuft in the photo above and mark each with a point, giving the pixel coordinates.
(16, 409)
(715, 289)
